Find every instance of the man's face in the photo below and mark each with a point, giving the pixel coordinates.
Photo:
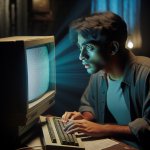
(90, 55)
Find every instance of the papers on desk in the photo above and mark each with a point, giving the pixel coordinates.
(99, 144)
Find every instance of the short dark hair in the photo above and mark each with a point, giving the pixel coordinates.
(102, 27)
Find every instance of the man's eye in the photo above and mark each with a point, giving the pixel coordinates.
(89, 47)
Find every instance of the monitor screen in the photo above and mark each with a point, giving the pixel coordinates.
(38, 71)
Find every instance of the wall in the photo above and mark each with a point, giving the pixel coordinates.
(17, 18)
(145, 27)
(71, 76)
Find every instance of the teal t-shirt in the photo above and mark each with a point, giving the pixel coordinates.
(116, 103)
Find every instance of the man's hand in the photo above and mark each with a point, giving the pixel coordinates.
(86, 127)
(97, 130)
(72, 116)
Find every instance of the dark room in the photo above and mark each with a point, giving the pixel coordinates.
(75, 74)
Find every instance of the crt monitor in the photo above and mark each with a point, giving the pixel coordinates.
(28, 79)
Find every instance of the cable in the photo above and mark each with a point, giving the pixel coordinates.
(31, 148)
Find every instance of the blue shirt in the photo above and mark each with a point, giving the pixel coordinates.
(136, 90)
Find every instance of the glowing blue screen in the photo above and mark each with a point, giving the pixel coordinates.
(38, 71)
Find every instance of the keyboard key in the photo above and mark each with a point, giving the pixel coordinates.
(65, 134)
(51, 132)
(69, 136)
(72, 137)
(75, 140)
(59, 131)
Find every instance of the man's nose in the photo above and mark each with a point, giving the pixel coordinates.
(83, 54)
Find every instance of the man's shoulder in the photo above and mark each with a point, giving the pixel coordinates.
(141, 68)
(142, 61)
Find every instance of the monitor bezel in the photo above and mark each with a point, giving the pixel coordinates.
(24, 116)
(48, 41)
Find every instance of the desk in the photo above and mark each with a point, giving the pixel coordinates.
(36, 143)
(89, 144)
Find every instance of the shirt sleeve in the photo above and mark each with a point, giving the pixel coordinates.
(140, 127)
(87, 97)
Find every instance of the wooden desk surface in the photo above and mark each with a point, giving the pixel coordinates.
(37, 144)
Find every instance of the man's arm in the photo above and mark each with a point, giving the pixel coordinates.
(85, 110)
(88, 115)
(98, 130)
(140, 127)
(118, 130)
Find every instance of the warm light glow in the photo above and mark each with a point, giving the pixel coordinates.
(130, 44)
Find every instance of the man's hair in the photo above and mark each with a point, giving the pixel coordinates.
(101, 27)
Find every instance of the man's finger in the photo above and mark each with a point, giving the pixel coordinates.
(73, 117)
(63, 117)
(78, 129)
(69, 115)
(73, 126)
(66, 116)
(68, 125)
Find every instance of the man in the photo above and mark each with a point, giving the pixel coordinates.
(116, 102)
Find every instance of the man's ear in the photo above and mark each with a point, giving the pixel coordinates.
(114, 47)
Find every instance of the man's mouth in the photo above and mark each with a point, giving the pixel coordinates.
(86, 65)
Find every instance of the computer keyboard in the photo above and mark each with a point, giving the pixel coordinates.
(55, 138)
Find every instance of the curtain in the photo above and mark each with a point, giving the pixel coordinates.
(129, 10)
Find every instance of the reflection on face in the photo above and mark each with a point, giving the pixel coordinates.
(90, 55)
